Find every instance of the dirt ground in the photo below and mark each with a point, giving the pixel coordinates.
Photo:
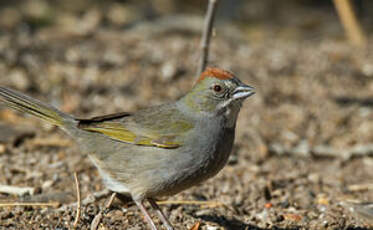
(303, 145)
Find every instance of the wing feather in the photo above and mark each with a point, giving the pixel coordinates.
(126, 130)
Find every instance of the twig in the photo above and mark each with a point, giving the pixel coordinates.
(346, 153)
(350, 23)
(79, 206)
(53, 141)
(360, 187)
(19, 191)
(96, 221)
(36, 204)
(206, 36)
(304, 149)
(108, 204)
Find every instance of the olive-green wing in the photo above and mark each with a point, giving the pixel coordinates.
(128, 131)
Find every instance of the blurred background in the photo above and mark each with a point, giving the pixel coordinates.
(310, 18)
(304, 141)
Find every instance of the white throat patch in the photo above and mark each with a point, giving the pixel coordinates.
(230, 112)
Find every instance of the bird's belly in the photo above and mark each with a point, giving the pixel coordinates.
(110, 182)
(151, 172)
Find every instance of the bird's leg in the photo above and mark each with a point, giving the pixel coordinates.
(160, 214)
(148, 219)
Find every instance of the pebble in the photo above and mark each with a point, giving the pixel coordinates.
(168, 71)
(47, 184)
(2, 148)
(208, 227)
(203, 212)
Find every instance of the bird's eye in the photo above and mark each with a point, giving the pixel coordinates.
(217, 88)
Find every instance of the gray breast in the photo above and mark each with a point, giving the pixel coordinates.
(201, 159)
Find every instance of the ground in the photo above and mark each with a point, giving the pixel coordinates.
(295, 163)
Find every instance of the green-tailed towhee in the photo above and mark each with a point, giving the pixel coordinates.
(160, 150)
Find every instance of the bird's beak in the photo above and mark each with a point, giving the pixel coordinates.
(243, 91)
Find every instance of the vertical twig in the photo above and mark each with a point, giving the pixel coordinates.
(350, 23)
(206, 35)
(79, 205)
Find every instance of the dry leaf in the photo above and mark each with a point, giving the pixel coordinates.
(292, 217)
(196, 226)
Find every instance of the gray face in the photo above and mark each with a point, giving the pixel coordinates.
(228, 94)
(213, 95)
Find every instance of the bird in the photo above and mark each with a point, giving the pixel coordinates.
(360, 209)
(156, 151)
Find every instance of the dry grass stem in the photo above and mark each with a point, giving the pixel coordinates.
(108, 204)
(14, 190)
(360, 187)
(53, 141)
(350, 23)
(36, 204)
(79, 205)
(206, 35)
(304, 149)
(96, 221)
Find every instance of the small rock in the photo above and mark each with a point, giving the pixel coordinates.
(19, 79)
(2, 148)
(292, 217)
(367, 69)
(208, 227)
(203, 212)
(47, 184)
(168, 71)
(322, 200)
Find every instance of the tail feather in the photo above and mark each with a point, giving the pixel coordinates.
(23, 103)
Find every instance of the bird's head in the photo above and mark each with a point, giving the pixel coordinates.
(217, 92)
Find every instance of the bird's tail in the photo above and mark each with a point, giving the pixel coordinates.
(26, 104)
